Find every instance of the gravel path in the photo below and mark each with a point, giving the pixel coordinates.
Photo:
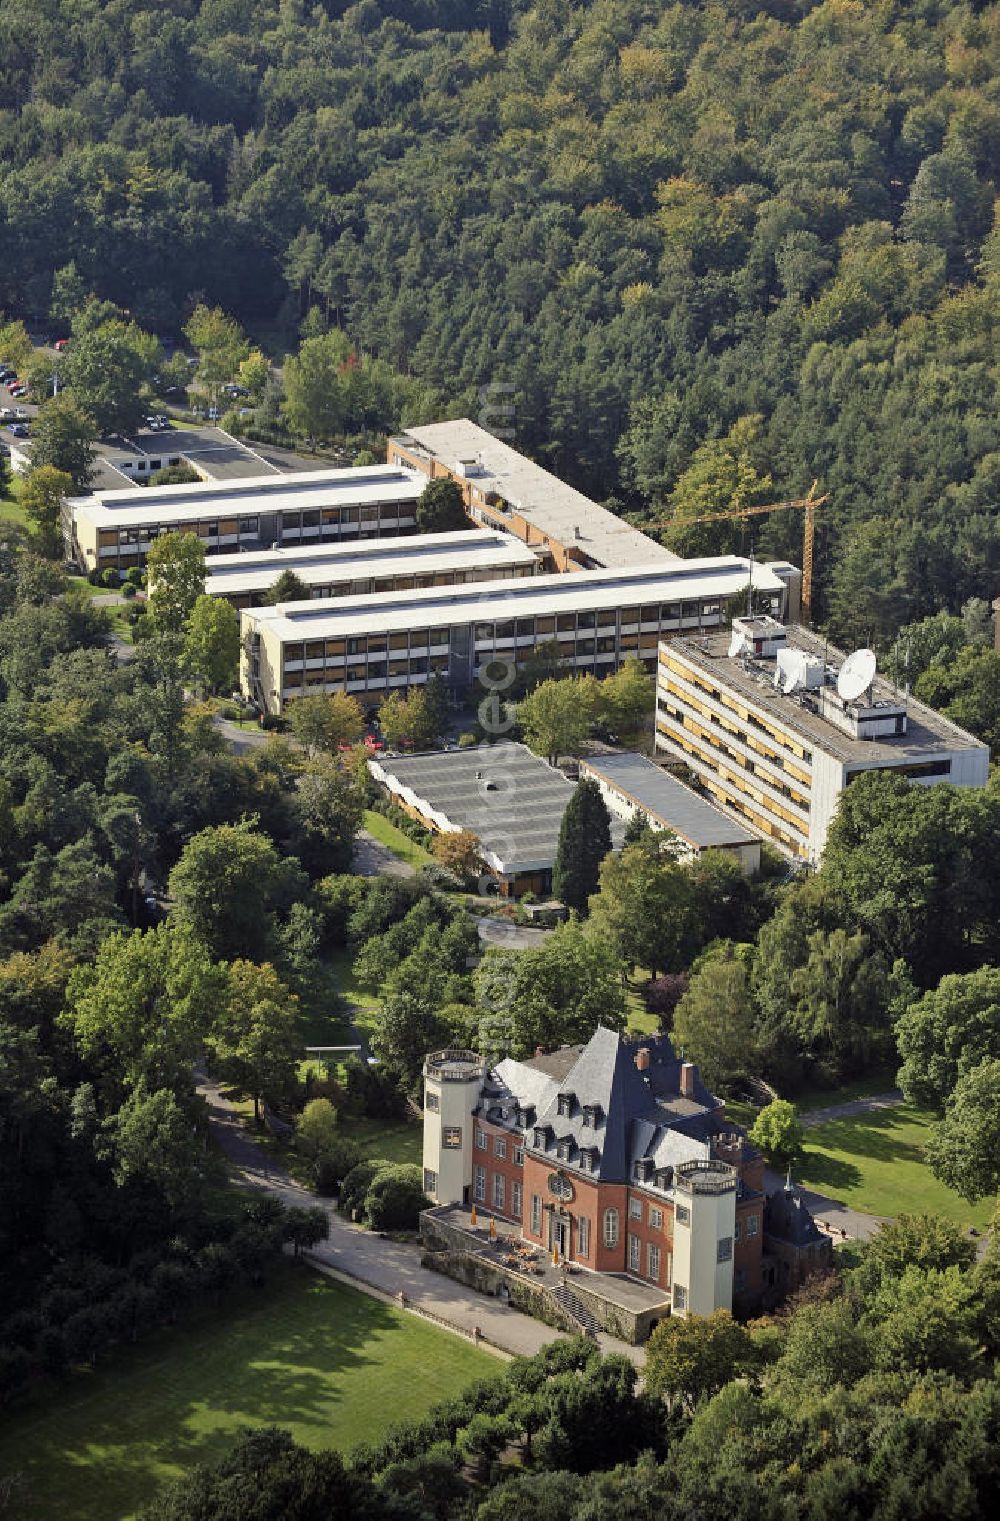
(813, 1117)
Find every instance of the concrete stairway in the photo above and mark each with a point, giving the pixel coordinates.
(575, 1308)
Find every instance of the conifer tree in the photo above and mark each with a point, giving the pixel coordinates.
(584, 841)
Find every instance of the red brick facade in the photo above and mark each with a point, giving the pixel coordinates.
(638, 1242)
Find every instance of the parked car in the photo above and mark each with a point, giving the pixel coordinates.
(60, 344)
(213, 414)
(12, 386)
(18, 390)
(20, 430)
(8, 415)
(21, 413)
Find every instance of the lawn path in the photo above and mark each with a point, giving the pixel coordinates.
(388, 1267)
(813, 1117)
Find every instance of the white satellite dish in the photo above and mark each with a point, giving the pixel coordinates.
(856, 675)
(739, 644)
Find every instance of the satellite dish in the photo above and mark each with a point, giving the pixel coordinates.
(738, 644)
(856, 675)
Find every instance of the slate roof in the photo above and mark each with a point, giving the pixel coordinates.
(787, 1218)
(616, 1114)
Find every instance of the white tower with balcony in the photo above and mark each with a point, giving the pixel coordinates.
(453, 1081)
(704, 1228)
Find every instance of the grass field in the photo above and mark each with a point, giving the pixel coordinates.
(399, 843)
(395, 1140)
(875, 1162)
(328, 1363)
(11, 511)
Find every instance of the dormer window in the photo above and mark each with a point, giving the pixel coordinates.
(592, 1115)
(664, 1177)
(564, 1149)
(565, 1105)
(644, 1169)
(541, 1134)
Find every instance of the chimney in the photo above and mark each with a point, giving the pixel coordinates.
(688, 1074)
(642, 1059)
(576, 531)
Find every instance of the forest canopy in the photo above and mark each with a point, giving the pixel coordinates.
(718, 250)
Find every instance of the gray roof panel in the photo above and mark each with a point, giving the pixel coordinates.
(667, 800)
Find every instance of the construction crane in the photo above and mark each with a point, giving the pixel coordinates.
(807, 503)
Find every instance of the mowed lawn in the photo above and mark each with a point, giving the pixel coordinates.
(328, 1363)
(875, 1162)
(379, 827)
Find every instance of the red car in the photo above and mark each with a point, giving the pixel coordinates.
(60, 344)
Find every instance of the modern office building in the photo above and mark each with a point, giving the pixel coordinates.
(511, 800)
(504, 489)
(616, 1161)
(408, 563)
(114, 529)
(631, 784)
(597, 619)
(774, 727)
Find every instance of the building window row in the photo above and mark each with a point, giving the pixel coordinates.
(745, 714)
(717, 745)
(764, 821)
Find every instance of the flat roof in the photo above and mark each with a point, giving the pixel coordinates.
(521, 597)
(413, 554)
(667, 800)
(212, 449)
(512, 800)
(358, 486)
(556, 509)
(928, 733)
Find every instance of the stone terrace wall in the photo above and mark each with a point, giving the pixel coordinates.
(447, 1250)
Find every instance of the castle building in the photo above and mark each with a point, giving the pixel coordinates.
(615, 1158)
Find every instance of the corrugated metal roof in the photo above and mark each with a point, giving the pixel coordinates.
(667, 800)
(510, 799)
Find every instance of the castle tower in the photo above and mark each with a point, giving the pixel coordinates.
(453, 1083)
(704, 1227)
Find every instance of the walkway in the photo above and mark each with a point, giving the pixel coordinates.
(849, 1107)
(373, 859)
(843, 1223)
(383, 1266)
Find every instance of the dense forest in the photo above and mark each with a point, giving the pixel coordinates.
(718, 250)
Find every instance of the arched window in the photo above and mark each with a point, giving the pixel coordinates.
(610, 1227)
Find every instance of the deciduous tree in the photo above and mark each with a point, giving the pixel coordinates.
(326, 720)
(256, 1039)
(211, 654)
(42, 497)
(175, 568)
(555, 718)
(441, 507)
(713, 1023)
(778, 1132)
